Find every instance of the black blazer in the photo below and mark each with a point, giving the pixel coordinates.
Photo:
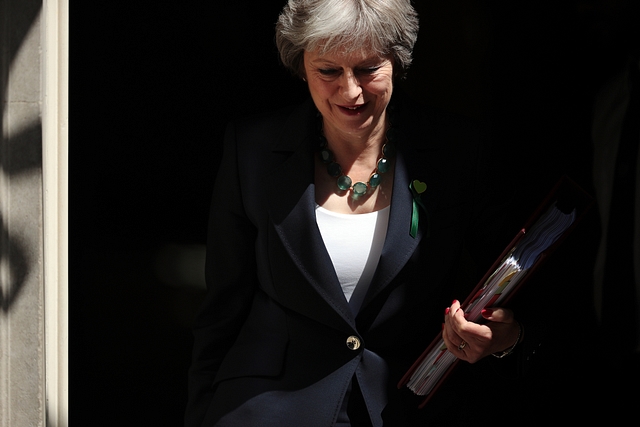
(271, 338)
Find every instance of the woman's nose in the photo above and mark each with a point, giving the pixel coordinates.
(350, 86)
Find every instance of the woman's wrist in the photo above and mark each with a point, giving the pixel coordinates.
(510, 350)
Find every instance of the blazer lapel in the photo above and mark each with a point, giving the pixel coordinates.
(292, 210)
(399, 246)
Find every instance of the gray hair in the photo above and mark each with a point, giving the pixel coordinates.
(386, 27)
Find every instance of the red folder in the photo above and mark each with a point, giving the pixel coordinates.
(560, 212)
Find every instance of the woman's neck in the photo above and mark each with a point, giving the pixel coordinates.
(353, 150)
(358, 157)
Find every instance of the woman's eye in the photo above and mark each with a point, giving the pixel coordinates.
(327, 71)
(369, 70)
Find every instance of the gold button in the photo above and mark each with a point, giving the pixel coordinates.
(353, 342)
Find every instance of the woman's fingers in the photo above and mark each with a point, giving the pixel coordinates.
(456, 336)
(448, 333)
(472, 341)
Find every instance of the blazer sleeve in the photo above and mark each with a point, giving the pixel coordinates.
(230, 274)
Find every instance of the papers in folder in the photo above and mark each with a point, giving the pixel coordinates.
(520, 256)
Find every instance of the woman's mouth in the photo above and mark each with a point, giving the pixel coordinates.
(352, 109)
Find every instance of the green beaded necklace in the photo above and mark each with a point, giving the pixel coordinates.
(343, 181)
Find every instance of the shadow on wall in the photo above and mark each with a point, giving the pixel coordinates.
(20, 154)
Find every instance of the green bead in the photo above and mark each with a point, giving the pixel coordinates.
(392, 134)
(375, 179)
(334, 170)
(359, 189)
(326, 156)
(344, 182)
(322, 142)
(388, 149)
(383, 165)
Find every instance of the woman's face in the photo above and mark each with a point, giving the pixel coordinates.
(350, 91)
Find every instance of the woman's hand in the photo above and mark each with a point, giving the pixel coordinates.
(471, 341)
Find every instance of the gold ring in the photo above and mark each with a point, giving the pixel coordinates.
(462, 345)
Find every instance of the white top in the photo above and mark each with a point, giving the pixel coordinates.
(354, 243)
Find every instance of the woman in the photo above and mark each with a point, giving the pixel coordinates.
(328, 264)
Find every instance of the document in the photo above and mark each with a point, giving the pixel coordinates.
(554, 219)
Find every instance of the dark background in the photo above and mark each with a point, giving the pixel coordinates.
(152, 86)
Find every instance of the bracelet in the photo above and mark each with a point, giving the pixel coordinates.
(507, 352)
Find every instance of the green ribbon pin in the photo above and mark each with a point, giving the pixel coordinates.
(417, 188)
